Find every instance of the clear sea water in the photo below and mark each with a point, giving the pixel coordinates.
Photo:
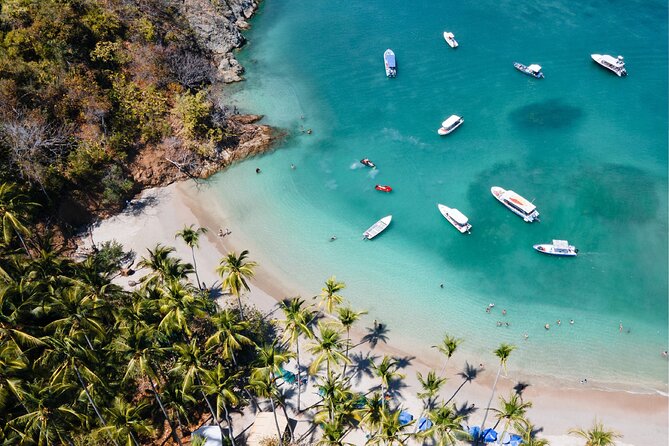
(588, 147)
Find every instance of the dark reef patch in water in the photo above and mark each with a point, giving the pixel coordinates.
(551, 114)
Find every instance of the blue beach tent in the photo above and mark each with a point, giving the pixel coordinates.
(424, 424)
(489, 435)
(405, 417)
(475, 432)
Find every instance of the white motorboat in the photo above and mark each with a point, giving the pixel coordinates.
(391, 64)
(377, 228)
(517, 204)
(456, 218)
(557, 248)
(533, 70)
(450, 39)
(611, 63)
(451, 123)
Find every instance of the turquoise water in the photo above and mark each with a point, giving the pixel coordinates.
(588, 147)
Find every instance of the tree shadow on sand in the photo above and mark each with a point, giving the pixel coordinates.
(379, 332)
(361, 366)
(468, 374)
(520, 387)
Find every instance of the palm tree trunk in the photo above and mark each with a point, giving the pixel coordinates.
(241, 310)
(383, 397)
(285, 414)
(90, 400)
(227, 418)
(211, 408)
(276, 422)
(443, 369)
(456, 392)
(348, 344)
(162, 408)
(299, 371)
(197, 277)
(487, 410)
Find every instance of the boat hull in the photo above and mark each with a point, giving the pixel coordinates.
(377, 228)
(450, 40)
(618, 71)
(550, 250)
(383, 188)
(523, 69)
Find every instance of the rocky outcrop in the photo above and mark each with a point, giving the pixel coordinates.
(217, 25)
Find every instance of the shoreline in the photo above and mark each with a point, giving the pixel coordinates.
(160, 212)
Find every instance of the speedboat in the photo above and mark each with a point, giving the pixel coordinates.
(516, 204)
(377, 228)
(450, 39)
(533, 70)
(383, 188)
(391, 65)
(557, 248)
(451, 123)
(456, 218)
(368, 163)
(611, 63)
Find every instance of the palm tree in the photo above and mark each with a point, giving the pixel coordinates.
(222, 384)
(528, 433)
(297, 323)
(263, 385)
(328, 347)
(235, 271)
(12, 365)
(448, 346)
(502, 352)
(513, 411)
(446, 426)
(188, 367)
(137, 344)
(76, 314)
(178, 304)
(191, 237)
(387, 371)
(392, 430)
(228, 334)
(329, 293)
(126, 422)
(431, 385)
(164, 267)
(597, 435)
(347, 317)
(14, 211)
(333, 434)
(372, 413)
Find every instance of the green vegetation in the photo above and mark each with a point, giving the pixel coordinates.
(87, 85)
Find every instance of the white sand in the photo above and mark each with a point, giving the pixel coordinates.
(158, 214)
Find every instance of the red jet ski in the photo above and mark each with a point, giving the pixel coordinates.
(368, 163)
(383, 188)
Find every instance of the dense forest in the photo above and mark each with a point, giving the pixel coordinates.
(87, 85)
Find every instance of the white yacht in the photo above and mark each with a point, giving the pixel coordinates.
(450, 39)
(391, 65)
(456, 218)
(377, 228)
(611, 63)
(533, 70)
(451, 123)
(517, 204)
(557, 248)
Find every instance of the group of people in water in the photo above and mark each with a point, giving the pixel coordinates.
(547, 326)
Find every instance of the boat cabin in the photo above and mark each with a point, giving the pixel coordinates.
(519, 203)
(534, 68)
(457, 217)
(451, 122)
(561, 246)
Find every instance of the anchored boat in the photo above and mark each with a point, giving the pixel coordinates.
(611, 63)
(383, 188)
(456, 218)
(516, 204)
(557, 248)
(450, 39)
(451, 123)
(377, 228)
(533, 70)
(391, 65)
(368, 163)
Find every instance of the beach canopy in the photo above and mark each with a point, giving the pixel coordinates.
(405, 417)
(512, 440)
(424, 424)
(475, 432)
(489, 435)
(211, 435)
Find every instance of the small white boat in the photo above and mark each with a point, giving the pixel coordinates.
(450, 39)
(456, 218)
(558, 248)
(516, 204)
(611, 63)
(391, 64)
(533, 70)
(377, 228)
(451, 123)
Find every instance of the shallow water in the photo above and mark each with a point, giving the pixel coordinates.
(588, 147)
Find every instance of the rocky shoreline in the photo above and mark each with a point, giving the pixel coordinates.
(217, 25)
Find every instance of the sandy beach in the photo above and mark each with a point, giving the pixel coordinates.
(158, 214)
